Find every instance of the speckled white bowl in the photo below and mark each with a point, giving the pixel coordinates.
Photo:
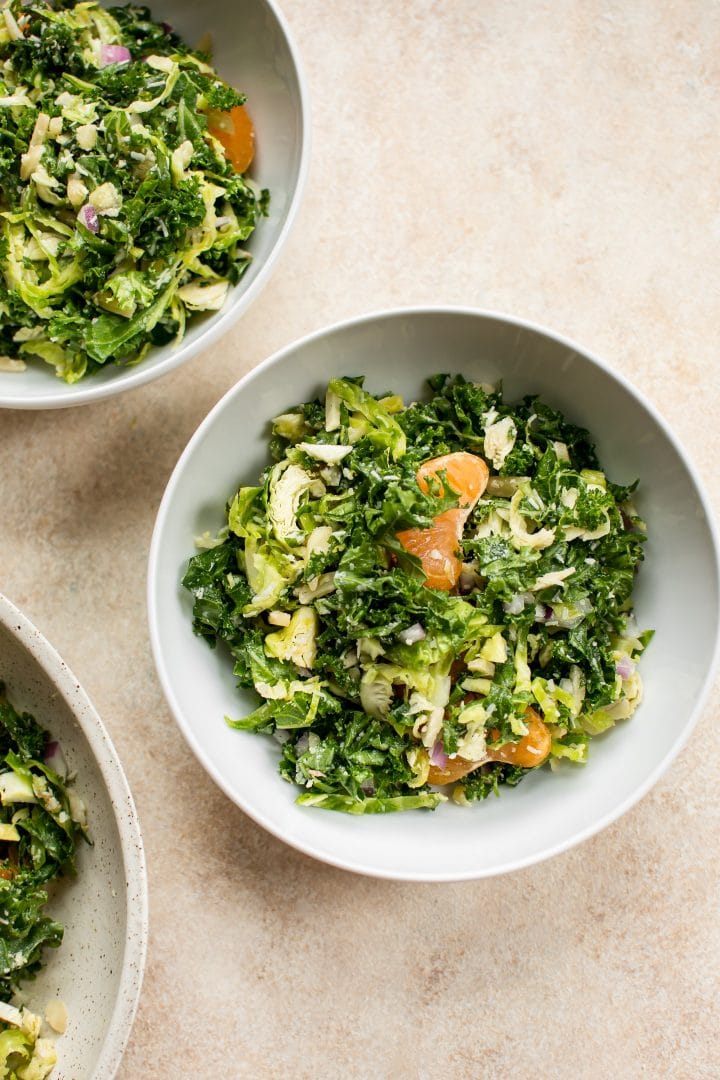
(98, 969)
(254, 51)
(677, 593)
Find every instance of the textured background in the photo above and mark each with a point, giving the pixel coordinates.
(556, 160)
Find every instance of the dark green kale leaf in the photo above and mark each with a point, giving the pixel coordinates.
(452, 420)
(26, 931)
(47, 46)
(351, 754)
(45, 851)
(223, 97)
(142, 35)
(20, 732)
(220, 592)
(121, 84)
(488, 778)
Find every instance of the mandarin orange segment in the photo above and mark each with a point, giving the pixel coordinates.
(436, 548)
(466, 475)
(455, 769)
(234, 129)
(529, 751)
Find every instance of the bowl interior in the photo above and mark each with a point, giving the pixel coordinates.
(251, 50)
(548, 812)
(97, 971)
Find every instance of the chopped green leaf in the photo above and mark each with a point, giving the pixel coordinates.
(366, 673)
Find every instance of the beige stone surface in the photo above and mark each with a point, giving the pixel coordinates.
(555, 160)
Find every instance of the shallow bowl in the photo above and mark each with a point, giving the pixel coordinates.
(97, 971)
(254, 51)
(676, 594)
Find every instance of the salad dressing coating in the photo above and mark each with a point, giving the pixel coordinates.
(431, 600)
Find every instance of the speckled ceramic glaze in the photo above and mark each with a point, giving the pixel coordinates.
(98, 969)
(252, 50)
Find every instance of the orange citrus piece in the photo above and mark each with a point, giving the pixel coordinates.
(529, 751)
(437, 546)
(234, 129)
(455, 769)
(466, 474)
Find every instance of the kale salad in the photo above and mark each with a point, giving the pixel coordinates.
(123, 204)
(41, 821)
(431, 600)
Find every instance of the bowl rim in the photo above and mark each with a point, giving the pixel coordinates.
(129, 378)
(276, 359)
(128, 825)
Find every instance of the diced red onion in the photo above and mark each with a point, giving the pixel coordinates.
(55, 758)
(543, 612)
(367, 787)
(303, 743)
(625, 667)
(305, 672)
(438, 757)
(114, 54)
(413, 633)
(88, 216)
(517, 604)
(167, 27)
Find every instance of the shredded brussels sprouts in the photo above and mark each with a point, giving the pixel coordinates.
(429, 600)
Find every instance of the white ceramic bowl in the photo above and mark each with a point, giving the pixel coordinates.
(252, 50)
(677, 594)
(98, 969)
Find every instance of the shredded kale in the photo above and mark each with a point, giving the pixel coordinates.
(35, 805)
(380, 682)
